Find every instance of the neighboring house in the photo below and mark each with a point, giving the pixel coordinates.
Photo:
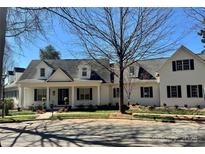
(11, 88)
(177, 80)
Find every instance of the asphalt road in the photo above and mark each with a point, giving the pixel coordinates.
(88, 132)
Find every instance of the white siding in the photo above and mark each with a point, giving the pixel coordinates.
(183, 78)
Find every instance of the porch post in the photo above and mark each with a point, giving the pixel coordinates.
(98, 87)
(47, 97)
(21, 96)
(73, 96)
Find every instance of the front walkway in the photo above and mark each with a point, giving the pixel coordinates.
(44, 116)
(109, 132)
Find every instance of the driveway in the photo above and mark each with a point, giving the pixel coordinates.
(110, 132)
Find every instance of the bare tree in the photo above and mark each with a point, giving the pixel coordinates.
(198, 20)
(122, 35)
(21, 25)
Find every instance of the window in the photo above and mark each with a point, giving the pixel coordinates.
(194, 91)
(84, 71)
(146, 92)
(84, 93)
(187, 64)
(10, 94)
(42, 72)
(179, 65)
(131, 70)
(116, 92)
(174, 91)
(39, 94)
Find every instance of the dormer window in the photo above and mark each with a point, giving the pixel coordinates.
(84, 72)
(42, 72)
(131, 70)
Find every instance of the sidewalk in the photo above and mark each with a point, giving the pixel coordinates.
(43, 116)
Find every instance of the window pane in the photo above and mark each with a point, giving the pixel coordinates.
(42, 72)
(132, 70)
(146, 92)
(179, 65)
(186, 64)
(173, 91)
(194, 90)
(40, 94)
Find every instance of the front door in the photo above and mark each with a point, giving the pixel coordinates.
(62, 93)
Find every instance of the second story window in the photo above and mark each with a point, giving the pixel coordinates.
(84, 72)
(131, 70)
(186, 64)
(42, 72)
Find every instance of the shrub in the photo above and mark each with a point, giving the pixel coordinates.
(9, 103)
(151, 107)
(81, 106)
(198, 106)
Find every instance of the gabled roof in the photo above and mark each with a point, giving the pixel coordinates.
(70, 67)
(10, 72)
(19, 69)
(60, 70)
(184, 49)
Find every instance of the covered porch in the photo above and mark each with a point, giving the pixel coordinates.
(78, 93)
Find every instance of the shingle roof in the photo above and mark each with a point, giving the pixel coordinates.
(70, 66)
(152, 65)
(19, 69)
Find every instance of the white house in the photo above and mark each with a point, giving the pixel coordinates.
(177, 80)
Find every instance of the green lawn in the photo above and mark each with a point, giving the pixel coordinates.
(162, 110)
(24, 112)
(17, 118)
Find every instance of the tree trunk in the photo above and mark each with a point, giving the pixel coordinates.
(3, 13)
(121, 88)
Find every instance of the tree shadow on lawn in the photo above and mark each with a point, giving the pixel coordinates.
(87, 133)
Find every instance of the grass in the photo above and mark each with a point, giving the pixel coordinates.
(24, 112)
(102, 114)
(17, 118)
(162, 110)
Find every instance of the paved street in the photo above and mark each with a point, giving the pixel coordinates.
(76, 132)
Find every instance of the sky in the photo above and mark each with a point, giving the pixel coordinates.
(66, 42)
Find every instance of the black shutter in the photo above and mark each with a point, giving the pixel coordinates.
(179, 91)
(173, 65)
(168, 91)
(188, 91)
(200, 91)
(151, 92)
(192, 64)
(35, 94)
(114, 92)
(78, 94)
(91, 93)
(142, 92)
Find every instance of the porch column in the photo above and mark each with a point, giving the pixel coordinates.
(47, 97)
(21, 96)
(98, 93)
(73, 95)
